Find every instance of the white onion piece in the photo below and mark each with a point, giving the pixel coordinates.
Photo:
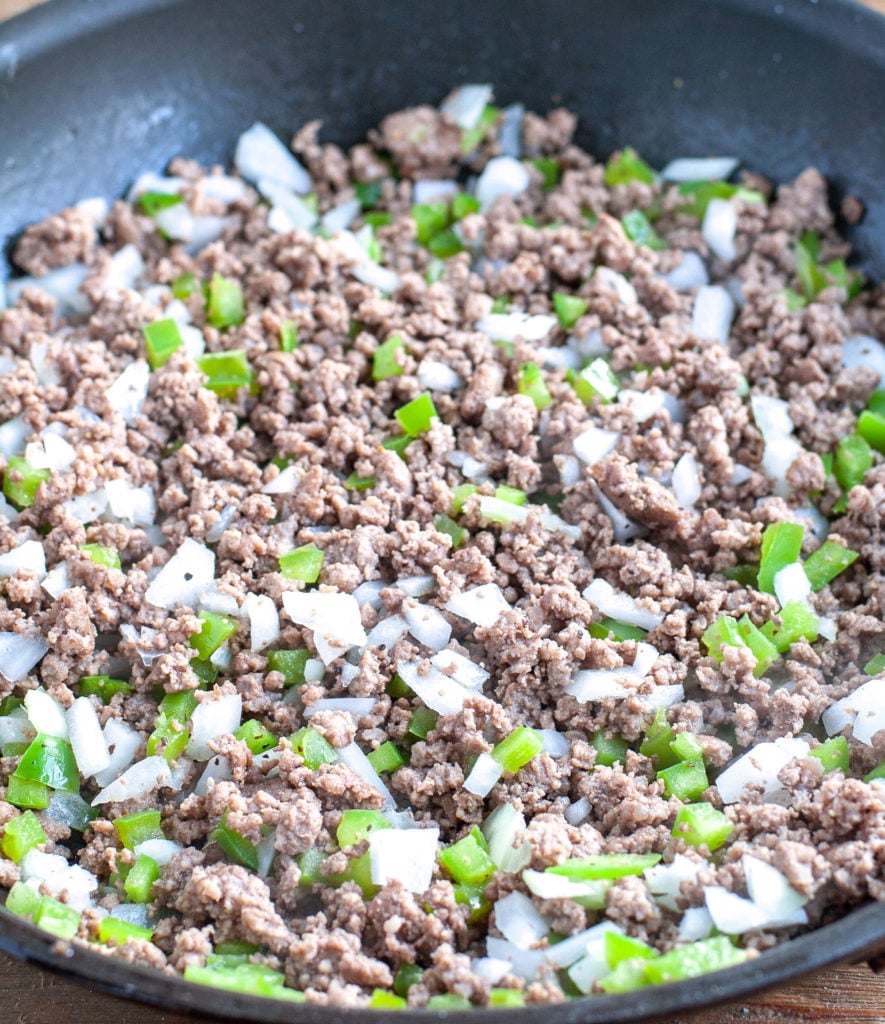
(86, 508)
(187, 574)
(664, 696)
(288, 211)
(176, 222)
(791, 584)
(340, 217)
(554, 887)
(63, 284)
(52, 452)
(769, 888)
(760, 765)
(407, 856)
(222, 187)
(498, 510)
(863, 709)
(699, 168)
(357, 762)
(686, 481)
(732, 914)
(712, 313)
(416, 586)
(205, 230)
(95, 208)
(483, 605)
(160, 850)
(314, 670)
(87, 739)
(484, 775)
(772, 417)
(578, 811)
(387, 633)
(590, 346)
(27, 557)
(429, 190)
(46, 714)
(569, 469)
(359, 707)
(461, 669)
(19, 654)
(501, 176)
(719, 227)
(555, 744)
(51, 874)
(132, 913)
(135, 505)
(510, 326)
(861, 350)
(427, 625)
(211, 718)
(124, 269)
(436, 376)
(217, 769)
(438, 691)
(150, 181)
(565, 358)
(622, 527)
(40, 865)
(490, 969)
(370, 593)
(525, 963)
(594, 444)
(592, 967)
(690, 273)
(510, 132)
(376, 276)
(138, 781)
(15, 728)
(465, 106)
(216, 531)
(9, 513)
(664, 881)
(595, 684)
(643, 404)
(333, 616)
(285, 482)
(617, 605)
(126, 395)
(44, 363)
(569, 950)
(617, 283)
(519, 921)
(122, 742)
(264, 620)
(502, 829)
(696, 924)
(260, 154)
(13, 434)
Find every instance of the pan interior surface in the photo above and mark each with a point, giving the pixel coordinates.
(92, 95)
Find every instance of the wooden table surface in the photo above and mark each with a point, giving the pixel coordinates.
(849, 995)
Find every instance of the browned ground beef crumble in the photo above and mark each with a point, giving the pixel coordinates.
(318, 410)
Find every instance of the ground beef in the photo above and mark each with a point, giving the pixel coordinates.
(622, 450)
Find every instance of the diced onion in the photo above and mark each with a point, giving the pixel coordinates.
(686, 481)
(222, 187)
(211, 718)
(594, 443)
(427, 625)
(124, 269)
(696, 924)
(643, 404)
(264, 621)
(519, 921)
(86, 508)
(719, 227)
(510, 132)
(13, 434)
(461, 669)
(160, 850)
(260, 154)
(617, 283)
(595, 684)
(416, 586)
(407, 856)
(126, 395)
(217, 769)
(428, 190)
(510, 326)
(136, 782)
(135, 505)
(483, 605)
(712, 313)
(622, 527)
(356, 760)
(501, 176)
(760, 765)
(503, 829)
(440, 692)
(122, 742)
(863, 710)
(465, 106)
(861, 350)
(63, 284)
(578, 811)
(769, 888)
(664, 881)
(288, 211)
(359, 707)
(387, 632)
(335, 617)
(27, 557)
(46, 714)
(483, 775)
(617, 605)
(555, 744)
(791, 584)
(340, 217)
(189, 572)
(711, 168)
(19, 654)
(436, 376)
(690, 273)
(87, 739)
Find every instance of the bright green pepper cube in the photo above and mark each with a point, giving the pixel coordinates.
(871, 427)
(798, 621)
(723, 632)
(256, 736)
(506, 997)
(702, 825)
(23, 901)
(853, 458)
(422, 722)
(304, 563)
(152, 203)
(415, 417)
(103, 687)
(764, 651)
(21, 835)
(359, 871)
(445, 244)
(637, 227)
(875, 665)
(381, 999)
(658, 737)
(596, 380)
(622, 947)
(430, 219)
(185, 285)
(386, 758)
(627, 166)
(161, 338)
(169, 738)
(102, 555)
(459, 495)
(877, 773)
(214, 631)
(833, 754)
(472, 137)
(467, 861)
(288, 336)
(21, 481)
(627, 976)
(781, 546)
(605, 865)
(687, 747)
(827, 562)
(518, 748)
(406, 976)
(445, 524)
(235, 846)
(27, 794)
(50, 760)
(226, 372)
(225, 304)
(309, 863)
(463, 205)
(568, 309)
(386, 359)
(357, 825)
(290, 663)
(686, 780)
(397, 444)
(140, 879)
(619, 631)
(512, 495)
(550, 171)
(57, 918)
(313, 748)
(180, 705)
(694, 960)
(115, 932)
(355, 482)
(449, 1001)
(530, 382)
(138, 827)
(609, 749)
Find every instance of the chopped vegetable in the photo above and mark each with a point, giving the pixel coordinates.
(699, 194)
(386, 758)
(386, 360)
(421, 723)
(227, 372)
(224, 307)
(257, 737)
(415, 417)
(162, 338)
(355, 482)
(313, 748)
(702, 825)
(214, 631)
(21, 481)
(637, 228)
(875, 665)
(723, 632)
(871, 427)
(50, 760)
(568, 309)
(113, 930)
(597, 380)
(833, 754)
(406, 976)
(445, 244)
(658, 737)
(467, 861)
(852, 460)
(798, 621)
(288, 336)
(138, 827)
(781, 546)
(764, 651)
(627, 166)
(103, 687)
(57, 918)
(21, 835)
(606, 865)
(445, 524)
(430, 219)
(290, 663)
(357, 825)
(185, 285)
(153, 203)
(459, 495)
(512, 495)
(609, 749)
(463, 205)
(141, 877)
(27, 794)
(691, 961)
(825, 564)
(686, 780)
(235, 846)
(611, 628)
(531, 383)
(304, 563)
(101, 555)
(518, 748)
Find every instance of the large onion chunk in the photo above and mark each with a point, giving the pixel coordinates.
(260, 154)
(617, 605)
(760, 765)
(19, 654)
(333, 616)
(136, 782)
(189, 572)
(26, 557)
(406, 856)
(483, 605)
(217, 716)
(87, 738)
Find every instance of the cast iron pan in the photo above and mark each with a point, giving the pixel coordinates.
(92, 93)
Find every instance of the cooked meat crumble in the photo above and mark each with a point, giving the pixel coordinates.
(447, 572)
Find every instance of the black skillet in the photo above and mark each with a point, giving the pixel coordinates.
(92, 93)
